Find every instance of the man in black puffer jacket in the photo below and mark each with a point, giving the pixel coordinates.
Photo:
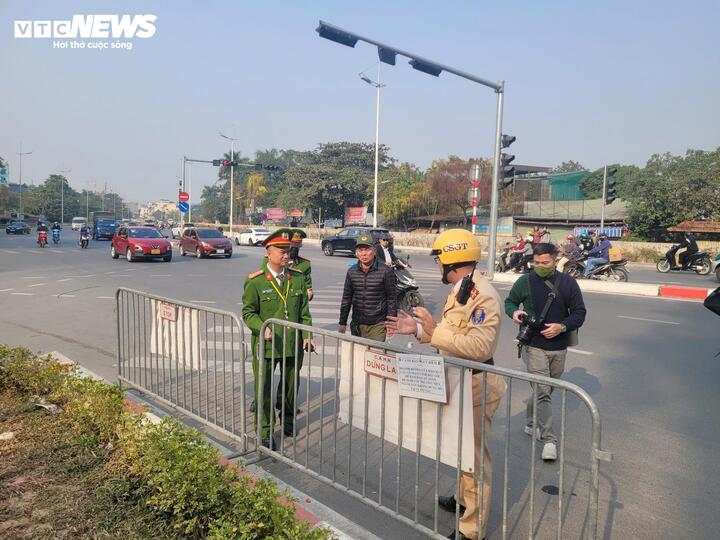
(370, 290)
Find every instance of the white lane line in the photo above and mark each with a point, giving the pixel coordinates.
(64, 295)
(324, 310)
(32, 251)
(160, 275)
(11, 251)
(646, 320)
(105, 297)
(57, 251)
(314, 302)
(203, 302)
(89, 275)
(320, 320)
(120, 275)
(33, 277)
(66, 279)
(580, 351)
(23, 293)
(37, 285)
(6, 290)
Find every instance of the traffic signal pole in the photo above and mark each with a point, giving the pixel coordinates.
(604, 198)
(492, 231)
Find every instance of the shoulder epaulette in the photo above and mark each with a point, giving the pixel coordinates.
(256, 274)
(295, 270)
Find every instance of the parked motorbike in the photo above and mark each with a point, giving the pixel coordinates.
(42, 239)
(697, 262)
(84, 240)
(610, 271)
(56, 236)
(407, 288)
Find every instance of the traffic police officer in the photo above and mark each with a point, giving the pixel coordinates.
(278, 292)
(298, 262)
(469, 328)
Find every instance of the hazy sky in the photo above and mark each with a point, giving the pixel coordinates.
(596, 82)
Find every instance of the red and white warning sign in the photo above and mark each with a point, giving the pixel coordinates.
(381, 365)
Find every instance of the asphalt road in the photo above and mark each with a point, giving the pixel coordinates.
(648, 363)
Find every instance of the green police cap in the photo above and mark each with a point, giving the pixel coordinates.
(364, 240)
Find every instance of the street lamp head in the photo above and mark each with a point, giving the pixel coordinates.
(338, 36)
(366, 78)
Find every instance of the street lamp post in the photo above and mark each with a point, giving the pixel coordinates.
(388, 54)
(21, 154)
(232, 170)
(377, 86)
(62, 195)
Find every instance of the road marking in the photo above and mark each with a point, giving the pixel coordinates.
(37, 284)
(6, 290)
(61, 280)
(646, 320)
(160, 275)
(580, 351)
(105, 297)
(32, 277)
(32, 251)
(120, 275)
(203, 302)
(324, 310)
(61, 295)
(89, 275)
(57, 251)
(319, 320)
(23, 293)
(10, 251)
(314, 302)
(112, 272)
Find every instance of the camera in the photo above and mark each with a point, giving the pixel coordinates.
(528, 326)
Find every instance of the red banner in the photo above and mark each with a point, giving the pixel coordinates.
(296, 212)
(355, 215)
(275, 214)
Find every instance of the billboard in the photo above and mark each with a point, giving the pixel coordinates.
(355, 215)
(4, 173)
(275, 214)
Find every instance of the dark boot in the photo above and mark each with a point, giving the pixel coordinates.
(449, 504)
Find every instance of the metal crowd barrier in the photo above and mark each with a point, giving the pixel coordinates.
(350, 428)
(192, 358)
(338, 445)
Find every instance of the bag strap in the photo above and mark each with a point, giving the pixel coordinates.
(551, 296)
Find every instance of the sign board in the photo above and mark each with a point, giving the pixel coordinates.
(296, 212)
(380, 365)
(421, 376)
(4, 174)
(355, 215)
(504, 225)
(183, 207)
(168, 312)
(183, 196)
(275, 214)
(438, 422)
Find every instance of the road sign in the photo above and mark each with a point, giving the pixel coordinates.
(184, 196)
(183, 207)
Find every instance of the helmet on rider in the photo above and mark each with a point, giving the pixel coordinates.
(584, 234)
(602, 236)
(455, 248)
(569, 237)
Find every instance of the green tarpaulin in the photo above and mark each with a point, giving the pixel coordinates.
(566, 186)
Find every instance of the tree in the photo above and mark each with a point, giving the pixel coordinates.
(255, 188)
(213, 205)
(50, 196)
(8, 199)
(568, 166)
(592, 184)
(405, 195)
(450, 182)
(332, 177)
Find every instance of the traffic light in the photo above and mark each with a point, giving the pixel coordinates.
(507, 171)
(217, 162)
(611, 190)
(227, 163)
(271, 168)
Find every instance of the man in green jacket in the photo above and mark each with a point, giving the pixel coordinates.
(279, 292)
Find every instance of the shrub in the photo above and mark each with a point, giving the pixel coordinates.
(25, 373)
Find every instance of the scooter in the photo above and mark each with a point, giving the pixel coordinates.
(407, 288)
(56, 236)
(501, 261)
(84, 240)
(698, 262)
(609, 271)
(42, 239)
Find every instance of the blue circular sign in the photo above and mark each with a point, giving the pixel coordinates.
(183, 207)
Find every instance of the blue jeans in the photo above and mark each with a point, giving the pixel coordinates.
(592, 263)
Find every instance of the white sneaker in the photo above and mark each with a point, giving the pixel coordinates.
(529, 431)
(549, 452)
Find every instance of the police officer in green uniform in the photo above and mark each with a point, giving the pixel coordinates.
(298, 262)
(278, 292)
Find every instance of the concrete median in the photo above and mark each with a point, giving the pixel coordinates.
(635, 289)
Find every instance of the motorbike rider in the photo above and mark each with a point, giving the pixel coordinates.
(56, 226)
(386, 254)
(526, 255)
(598, 255)
(687, 247)
(570, 251)
(42, 227)
(84, 230)
(586, 242)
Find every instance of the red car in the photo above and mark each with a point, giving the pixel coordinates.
(140, 243)
(203, 242)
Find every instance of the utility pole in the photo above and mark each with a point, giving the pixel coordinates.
(62, 195)
(602, 212)
(476, 179)
(21, 154)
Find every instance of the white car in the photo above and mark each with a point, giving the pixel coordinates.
(177, 231)
(251, 236)
(77, 223)
(715, 265)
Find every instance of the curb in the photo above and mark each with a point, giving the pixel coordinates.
(301, 512)
(632, 289)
